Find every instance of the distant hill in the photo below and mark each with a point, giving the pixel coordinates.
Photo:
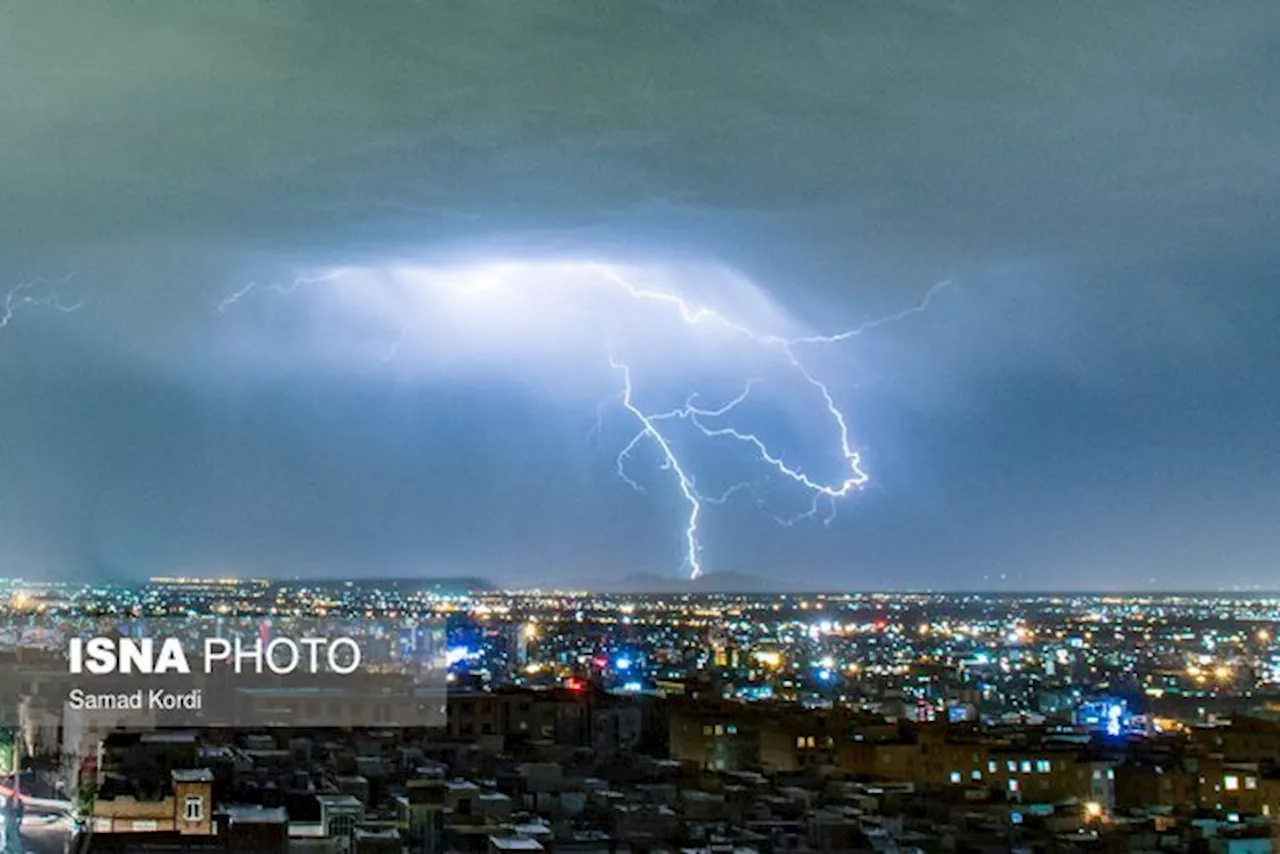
(712, 582)
(434, 584)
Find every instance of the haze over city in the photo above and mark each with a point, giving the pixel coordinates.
(324, 290)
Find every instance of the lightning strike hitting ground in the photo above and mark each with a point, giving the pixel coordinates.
(27, 294)
(672, 462)
(708, 421)
(692, 314)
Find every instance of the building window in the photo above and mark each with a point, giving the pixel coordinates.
(1026, 766)
(1043, 766)
(719, 729)
(345, 825)
(992, 766)
(800, 742)
(977, 775)
(732, 729)
(195, 808)
(706, 730)
(1012, 765)
(955, 777)
(1013, 785)
(1231, 782)
(1251, 782)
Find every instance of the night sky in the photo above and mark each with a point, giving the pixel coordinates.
(1093, 402)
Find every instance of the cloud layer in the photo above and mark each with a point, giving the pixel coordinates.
(1099, 179)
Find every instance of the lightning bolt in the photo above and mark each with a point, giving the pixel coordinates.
(918, 308)
(710, 422)
(21, 295)
(276, 287)
(693, 314)
(670, 461)
(394, 347)
(852, 479)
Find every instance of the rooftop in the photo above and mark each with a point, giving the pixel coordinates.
(192, 775)
(514, 843)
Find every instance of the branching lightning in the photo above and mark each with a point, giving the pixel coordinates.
(712, 422)
(670, 460)
(918, 308)
(853, 477)
(276, 287)
(28, 294)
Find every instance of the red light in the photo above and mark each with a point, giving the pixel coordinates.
(574, 684)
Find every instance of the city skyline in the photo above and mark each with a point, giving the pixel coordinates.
(247, 251)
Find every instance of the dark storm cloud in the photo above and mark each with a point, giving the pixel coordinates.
(967, 123)
(1100, 179)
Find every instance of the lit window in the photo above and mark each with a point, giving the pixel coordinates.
(706, 730)
(977, 775)
(732, 729)
(1013, 785)
(1111, 773)
(1231, 782)
(1012, 765)
(195, 808)
(1043, 766)
(992, 766)
(1026, 766)
(800, 741)
(1251, 782)
(955, 776)
(719, 729)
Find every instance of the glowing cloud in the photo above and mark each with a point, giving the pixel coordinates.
(653, 327)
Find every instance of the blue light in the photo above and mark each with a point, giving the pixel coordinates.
(632, 686)
(1114, 714)
(824, 675)
(623, 664)
(457, 654)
